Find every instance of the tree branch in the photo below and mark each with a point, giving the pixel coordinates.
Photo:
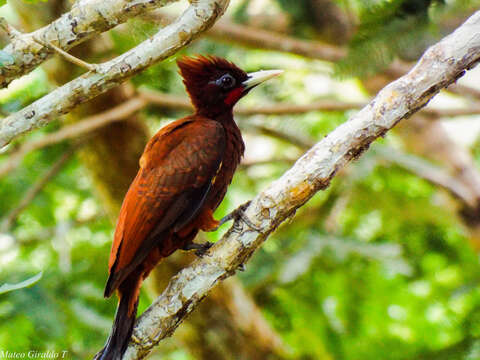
(199, 16)
(440, 66)
(86, 19)
(75, 130)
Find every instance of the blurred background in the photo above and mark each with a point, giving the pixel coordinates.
(381, 265)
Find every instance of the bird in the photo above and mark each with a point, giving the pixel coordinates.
(184, 173)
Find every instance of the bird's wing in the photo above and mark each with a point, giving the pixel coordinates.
(176, 172)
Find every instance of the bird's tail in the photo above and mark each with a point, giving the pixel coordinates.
(122, 326)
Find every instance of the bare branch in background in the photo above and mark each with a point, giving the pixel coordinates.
(178, 102)
(228, 31)
(198, 17)
(250, 36)
(431, 139)
(429, 172)
(75, 130)
(149, 97)
(441, 65)
(294, 139)
(464, 90)
(255, 37)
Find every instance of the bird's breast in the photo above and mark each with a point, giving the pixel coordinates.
(234, 150)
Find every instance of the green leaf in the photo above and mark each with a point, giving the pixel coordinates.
(5, 58)
(29, 282)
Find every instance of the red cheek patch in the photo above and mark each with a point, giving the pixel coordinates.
(233, 96)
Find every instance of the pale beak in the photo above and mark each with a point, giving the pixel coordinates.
(258, 77)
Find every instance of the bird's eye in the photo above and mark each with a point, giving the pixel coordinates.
(226, 82)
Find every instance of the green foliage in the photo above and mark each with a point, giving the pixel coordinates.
(34, 1)
(384, 30)
(388, 30)
(24, 92)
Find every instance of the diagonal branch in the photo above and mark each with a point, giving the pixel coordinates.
(199, 16)
(86, 19)
(440, 66)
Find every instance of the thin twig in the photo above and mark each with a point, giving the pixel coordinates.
(67, 56)
(11, 32)
(301, 142)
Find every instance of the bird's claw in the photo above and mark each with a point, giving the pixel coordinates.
(239, 213)
(200, 249)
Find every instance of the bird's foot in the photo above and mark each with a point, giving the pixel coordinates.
(200, 249)
(239, 213)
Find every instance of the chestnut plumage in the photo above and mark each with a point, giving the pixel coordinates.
(184, 174)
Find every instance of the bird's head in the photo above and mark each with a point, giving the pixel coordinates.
(215, 84)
